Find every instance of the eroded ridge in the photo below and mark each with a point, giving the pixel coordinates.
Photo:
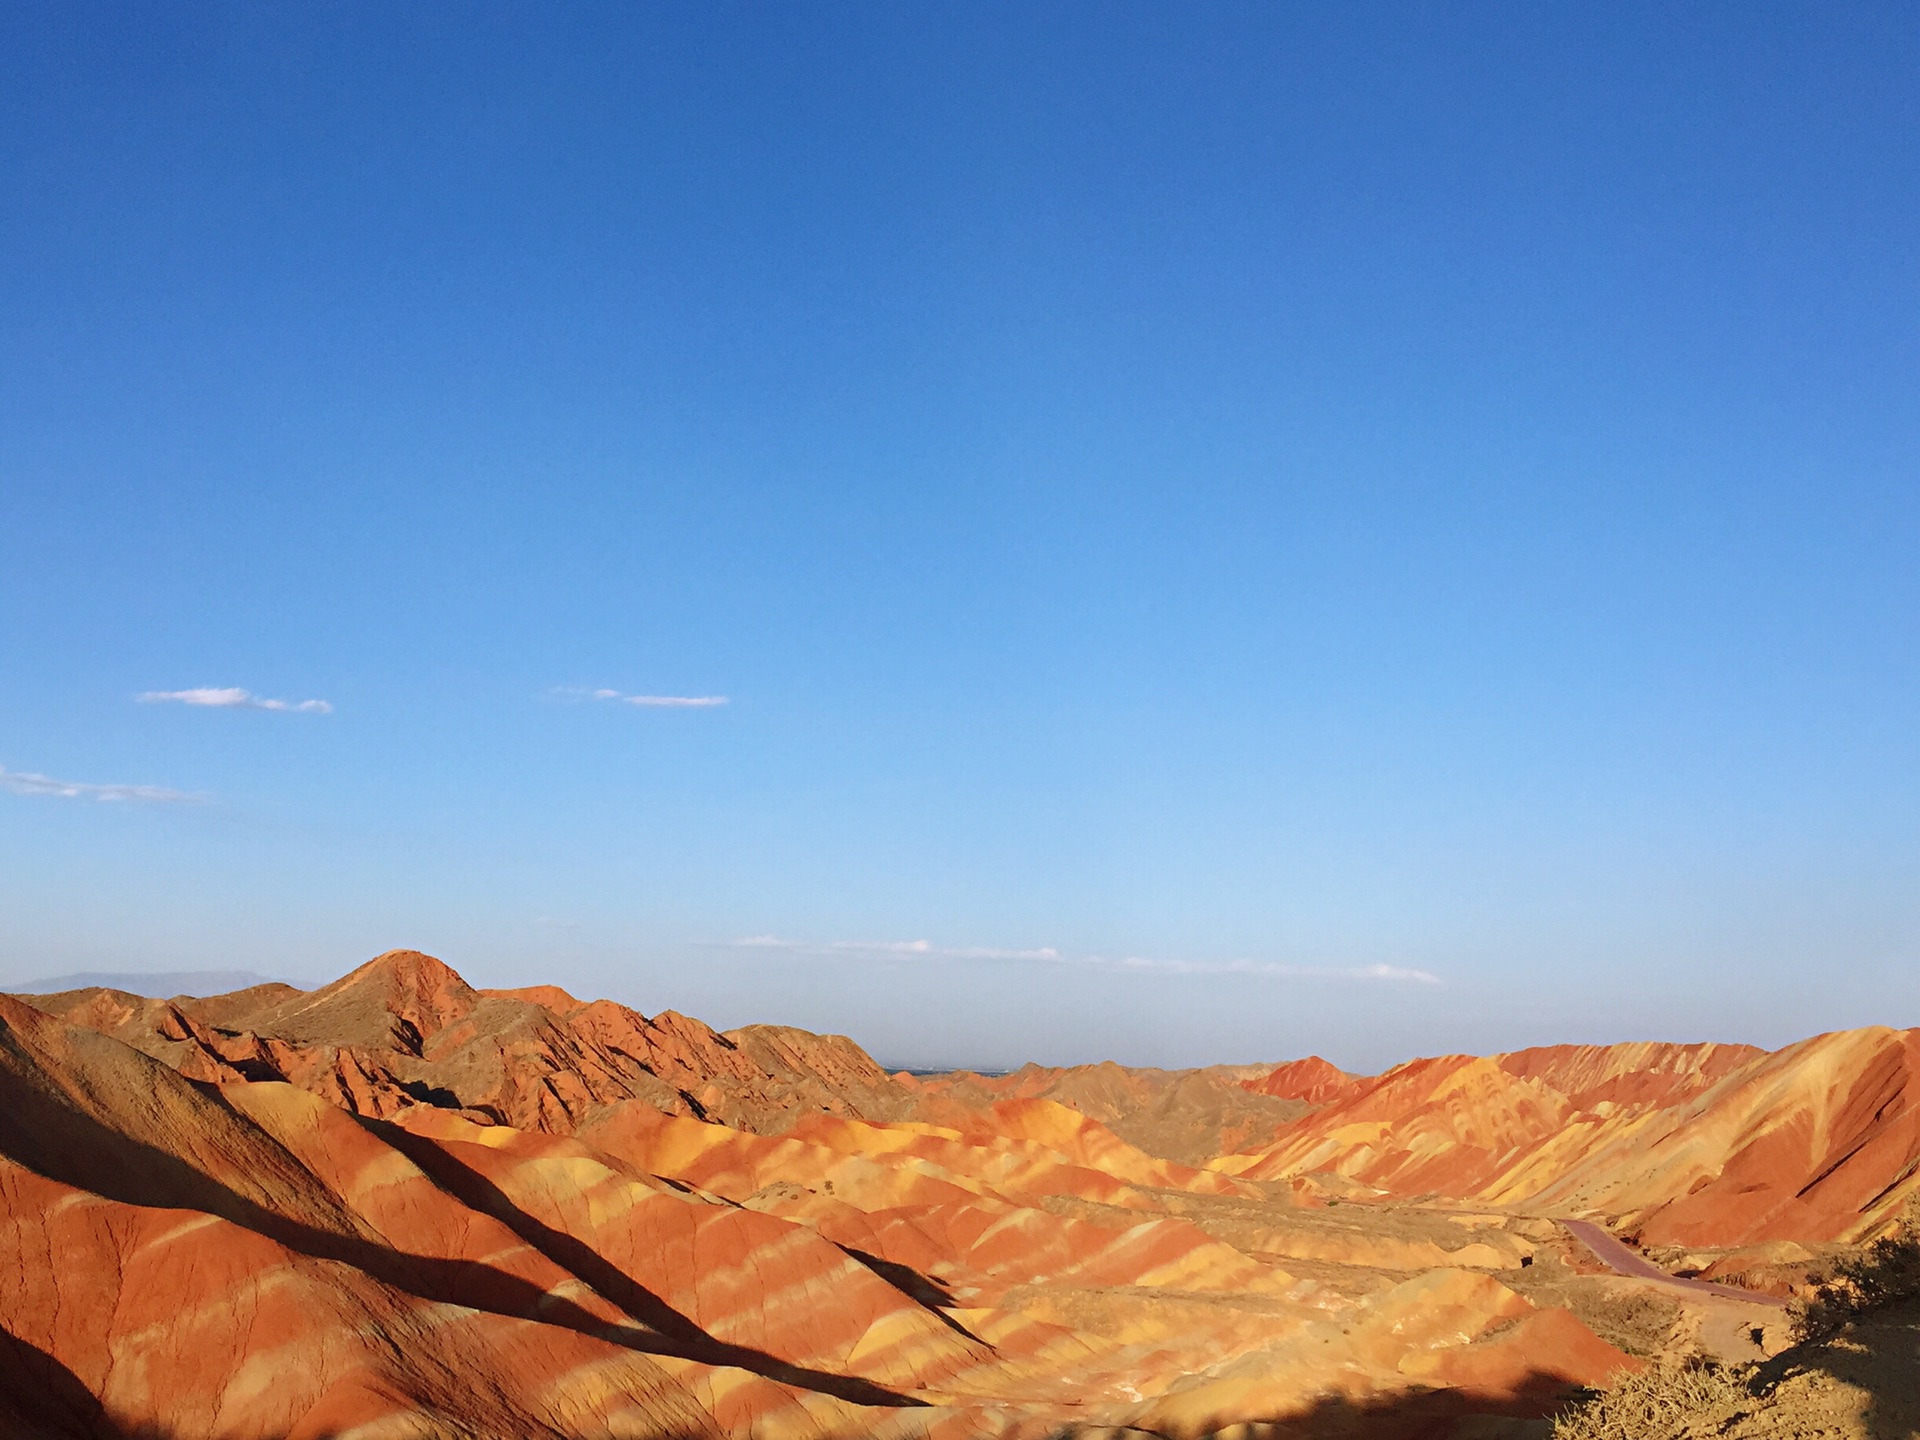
(400, 1204)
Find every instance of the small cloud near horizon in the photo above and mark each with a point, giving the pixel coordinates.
(1047, 955)
(26, 782)
(645, 702)
(232, 698)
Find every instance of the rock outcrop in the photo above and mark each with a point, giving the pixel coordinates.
(405, 1030)
(399, 1205)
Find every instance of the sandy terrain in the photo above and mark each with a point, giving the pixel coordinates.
(402, 1205)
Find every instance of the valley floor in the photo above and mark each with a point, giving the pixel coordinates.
(399, 1208)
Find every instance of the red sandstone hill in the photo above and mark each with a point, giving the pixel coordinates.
(1313, 1080)
(1713, 1145)
(402, 1205)
(404, 1029)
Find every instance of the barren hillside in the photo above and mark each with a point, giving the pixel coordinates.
(399, 1204)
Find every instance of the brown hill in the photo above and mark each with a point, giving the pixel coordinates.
(400, 1203)
(404, 1029)
(1186, 1115)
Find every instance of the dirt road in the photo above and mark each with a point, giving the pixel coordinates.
(1625, 1260)
(1734, 1324)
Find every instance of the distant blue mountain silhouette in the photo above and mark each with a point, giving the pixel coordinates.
(159, 983)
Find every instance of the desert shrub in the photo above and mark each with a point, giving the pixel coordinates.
(1883, 1273)
(1659, 1403)
(1639, 1322)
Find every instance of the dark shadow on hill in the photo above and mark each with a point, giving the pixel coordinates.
(1861, 1327)
(573, 1254)
(1877, 1353)
(41, 1399)
(924, 1290)
(68, 1145)
(1403, 1415)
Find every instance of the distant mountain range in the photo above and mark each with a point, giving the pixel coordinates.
(399, 1203)
(158, 983)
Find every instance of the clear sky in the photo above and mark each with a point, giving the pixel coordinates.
(1222, 531)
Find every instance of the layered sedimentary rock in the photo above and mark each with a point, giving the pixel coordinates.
(402, 1206)
(1313, 1081)
(404, 1029)
(1705, 1145)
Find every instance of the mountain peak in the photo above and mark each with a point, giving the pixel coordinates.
(397, 998)
(1312, 1079)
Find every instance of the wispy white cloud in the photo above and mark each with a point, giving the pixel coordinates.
(232, 698)
(1047, 955)
(26, 782)
(646, 702)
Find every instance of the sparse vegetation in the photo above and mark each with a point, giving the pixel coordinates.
(1664, 1402)
(1699, 1398)
(1884, 1273)
(1636, 1321)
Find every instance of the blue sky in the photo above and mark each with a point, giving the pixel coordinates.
(1222, 531)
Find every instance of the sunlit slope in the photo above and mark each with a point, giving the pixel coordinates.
(175, 1234)
(1687, 1144)
(1184, 1115)
(168, 1258)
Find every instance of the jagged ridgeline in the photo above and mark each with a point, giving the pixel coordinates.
(400, 1204)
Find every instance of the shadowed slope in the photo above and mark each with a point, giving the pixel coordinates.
(405, 1029)
(512, 1212)
(368, 1244)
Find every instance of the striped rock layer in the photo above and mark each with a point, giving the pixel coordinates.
(1691, 1145)
(402, 1206)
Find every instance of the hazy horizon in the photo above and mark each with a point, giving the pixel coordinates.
(1171, 535)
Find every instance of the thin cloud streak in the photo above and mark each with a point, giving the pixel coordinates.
(645, 702)
(1047, 955)
(232, 698)
(26, 782)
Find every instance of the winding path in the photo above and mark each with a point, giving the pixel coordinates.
(1625, 1260)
